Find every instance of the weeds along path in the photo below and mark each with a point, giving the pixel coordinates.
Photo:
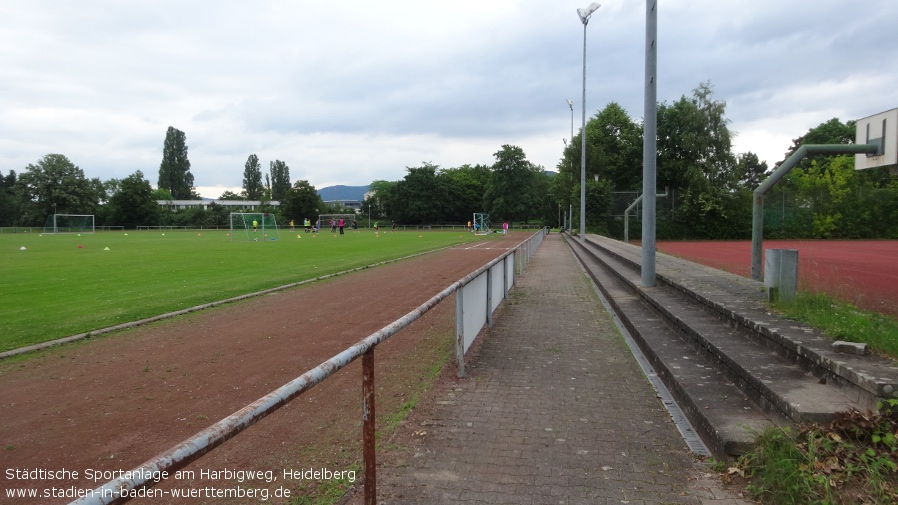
(113, 402)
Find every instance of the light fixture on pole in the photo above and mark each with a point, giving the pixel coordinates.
(570, 104)
(584, 17)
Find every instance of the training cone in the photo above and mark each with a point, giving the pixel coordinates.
(22, 248)
(199, 234)
(80, 247)
(105, 248)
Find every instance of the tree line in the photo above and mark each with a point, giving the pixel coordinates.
(709, 186)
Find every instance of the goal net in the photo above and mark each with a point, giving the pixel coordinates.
(253, 226)
(481, 224)
(325, 221)
(69, 223)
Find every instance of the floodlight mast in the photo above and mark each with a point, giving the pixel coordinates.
(584, 14)
(650, 145)
(570, 220)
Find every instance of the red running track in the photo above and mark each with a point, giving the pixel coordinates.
(861, 272)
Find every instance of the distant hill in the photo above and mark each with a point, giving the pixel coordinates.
(341, 192)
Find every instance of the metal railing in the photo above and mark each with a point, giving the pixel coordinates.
(146, 475)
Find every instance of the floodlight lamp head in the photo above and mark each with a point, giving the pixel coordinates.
(570, 103)
(587, 12)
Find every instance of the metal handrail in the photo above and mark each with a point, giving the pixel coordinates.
(146, 475)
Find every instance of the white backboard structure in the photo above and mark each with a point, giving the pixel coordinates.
(878, 128)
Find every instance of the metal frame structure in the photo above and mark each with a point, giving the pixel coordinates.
(55, 226)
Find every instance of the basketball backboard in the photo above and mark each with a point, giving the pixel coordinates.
(880, 129)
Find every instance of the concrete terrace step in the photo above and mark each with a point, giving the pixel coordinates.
(865, 380)
(724, 417)
(733, 367)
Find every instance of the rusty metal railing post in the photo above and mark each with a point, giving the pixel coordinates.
(368, 427)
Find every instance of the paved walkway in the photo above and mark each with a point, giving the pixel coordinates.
(555, 411)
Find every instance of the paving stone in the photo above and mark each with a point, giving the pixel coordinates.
(555, 410)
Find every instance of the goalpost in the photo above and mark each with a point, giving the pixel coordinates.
(70, 223)
(253, 226)
(481, 224)
(325, 221)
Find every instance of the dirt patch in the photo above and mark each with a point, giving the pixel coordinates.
(113, 402)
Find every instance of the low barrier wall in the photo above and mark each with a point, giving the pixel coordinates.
(477, 296)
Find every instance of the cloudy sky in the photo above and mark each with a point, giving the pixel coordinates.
(351, 92)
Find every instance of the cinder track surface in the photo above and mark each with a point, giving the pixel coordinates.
(113, 402)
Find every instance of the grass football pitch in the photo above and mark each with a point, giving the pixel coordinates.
(54, 286)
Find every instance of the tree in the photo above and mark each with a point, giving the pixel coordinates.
(695, 154)
(280, 179)
(163, 194)
(380, 200)
(614, 148)
(750, 171)
(420, 197)
(301, 201)
(830, 132)
(10, 210)
(54, 185)
(230, 195)
(174, 171)
(135, 203)
(465, 187)
(252, 178)
(598, 203)
(110, 187)
(512, 190)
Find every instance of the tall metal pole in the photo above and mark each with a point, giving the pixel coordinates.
(757, 222)
(583, 147)
(570, 225)
(649, 143)
(584, 17)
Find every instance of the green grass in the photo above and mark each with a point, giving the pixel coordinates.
(851, 460)
(327, 492)
(54, 288)
(842, 321)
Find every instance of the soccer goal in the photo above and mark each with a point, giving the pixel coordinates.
(325, 220)
(253, 226)
(69, 223)
(481, 224)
